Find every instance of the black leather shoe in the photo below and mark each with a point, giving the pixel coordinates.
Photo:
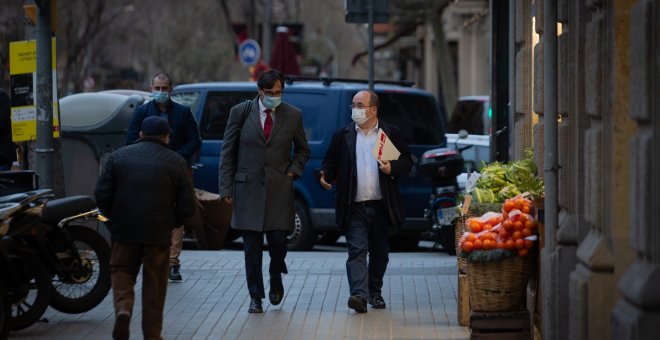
(358, 303)
(276, 290)
(377, 301)
(255, 306)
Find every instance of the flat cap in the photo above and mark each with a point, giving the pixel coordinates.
(154, 125)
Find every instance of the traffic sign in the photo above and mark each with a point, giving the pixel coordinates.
(357, 11)
(249, 52)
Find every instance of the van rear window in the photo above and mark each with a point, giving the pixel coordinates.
(189, 99)
(310, 103)
(216, 112)
(417, 116)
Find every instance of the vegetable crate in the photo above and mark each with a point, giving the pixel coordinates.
(500, 325)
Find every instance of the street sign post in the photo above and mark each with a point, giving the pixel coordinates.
(249, 52)
(370, 12)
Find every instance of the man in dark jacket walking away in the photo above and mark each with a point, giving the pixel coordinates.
(146, 192)
(368, 201)
(184, 139)
(256, 176)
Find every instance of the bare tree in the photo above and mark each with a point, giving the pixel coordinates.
(12, 20)
(78, 32)
(111, 40)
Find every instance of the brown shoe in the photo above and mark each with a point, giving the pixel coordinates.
(122, 323)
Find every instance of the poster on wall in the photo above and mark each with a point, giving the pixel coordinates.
(23, 77)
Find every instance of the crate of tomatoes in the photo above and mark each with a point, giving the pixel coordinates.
(499, 247)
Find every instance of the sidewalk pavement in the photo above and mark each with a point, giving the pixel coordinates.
(212, 302)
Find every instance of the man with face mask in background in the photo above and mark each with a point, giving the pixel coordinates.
(257, 171)
(184, 139)
(368, 201)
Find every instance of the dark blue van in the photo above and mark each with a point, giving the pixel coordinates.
(326, 107)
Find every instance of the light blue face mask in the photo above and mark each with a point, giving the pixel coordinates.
(160, 96)
(272, 102)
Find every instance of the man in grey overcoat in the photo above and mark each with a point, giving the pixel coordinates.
(257, 171)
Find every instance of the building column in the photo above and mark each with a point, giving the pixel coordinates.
(601, 255)
(636, 314)
(571, 128)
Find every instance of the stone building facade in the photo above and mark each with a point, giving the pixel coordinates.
(600, 274)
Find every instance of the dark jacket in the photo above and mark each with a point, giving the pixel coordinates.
(340, 165)
(146, 192)
(184, 133)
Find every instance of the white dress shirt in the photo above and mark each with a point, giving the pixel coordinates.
(368, 185)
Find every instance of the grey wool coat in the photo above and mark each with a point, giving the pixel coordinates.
(256, 175)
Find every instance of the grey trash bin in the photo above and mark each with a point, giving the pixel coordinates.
(93, 125)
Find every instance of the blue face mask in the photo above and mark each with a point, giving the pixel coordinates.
(160, 96)
(271, 102)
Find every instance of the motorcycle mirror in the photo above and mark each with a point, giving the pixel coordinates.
(462, 134)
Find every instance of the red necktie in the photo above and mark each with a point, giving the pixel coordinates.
(268, 123)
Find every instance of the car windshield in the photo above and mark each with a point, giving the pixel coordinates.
(468, 115)
(416, 115)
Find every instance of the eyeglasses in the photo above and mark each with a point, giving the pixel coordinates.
(360, 106)
(270, 93)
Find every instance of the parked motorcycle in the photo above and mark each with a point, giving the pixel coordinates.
(25, 280)
(442, 166)
(5, 267)
(77, 256)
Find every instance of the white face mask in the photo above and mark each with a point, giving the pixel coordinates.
(359, 116)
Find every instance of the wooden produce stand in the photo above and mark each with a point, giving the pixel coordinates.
(500, 325)
(495, 265)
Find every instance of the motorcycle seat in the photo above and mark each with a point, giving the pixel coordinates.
(58, 209)
(13, 198)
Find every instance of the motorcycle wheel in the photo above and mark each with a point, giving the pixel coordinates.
(82, 285)
(30, 301)
(5, 312)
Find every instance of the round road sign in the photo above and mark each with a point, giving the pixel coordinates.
(249, 52)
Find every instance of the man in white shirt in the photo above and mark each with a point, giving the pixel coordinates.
(368, 200)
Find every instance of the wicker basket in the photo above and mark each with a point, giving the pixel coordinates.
(459, 229)
(500, 285)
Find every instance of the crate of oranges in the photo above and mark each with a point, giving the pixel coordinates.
(498, 248)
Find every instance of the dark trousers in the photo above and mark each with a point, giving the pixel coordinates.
(253, 248)
(367, 234)
(125, 262)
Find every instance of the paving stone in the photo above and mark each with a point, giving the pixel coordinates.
(211, 302)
